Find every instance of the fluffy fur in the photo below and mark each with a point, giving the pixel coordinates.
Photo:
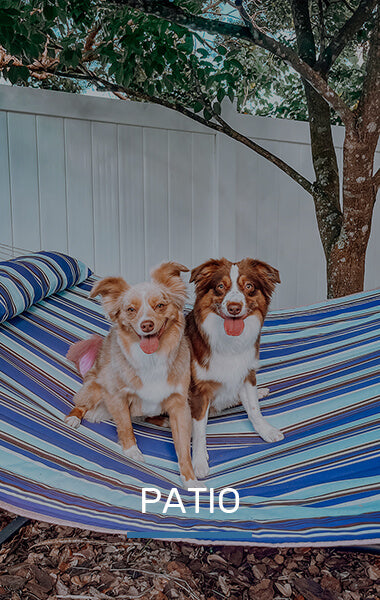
(84, 353)
(224, 327)
(143, 365)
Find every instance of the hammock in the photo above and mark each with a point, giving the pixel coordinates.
(319, 486)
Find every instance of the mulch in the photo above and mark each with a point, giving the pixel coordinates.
(50, 562)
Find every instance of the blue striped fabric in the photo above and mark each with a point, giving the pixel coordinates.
(319, 486)
(28, 279)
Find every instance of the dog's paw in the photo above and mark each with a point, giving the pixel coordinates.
(194, 483)
(200, 465)
(72, 421)
(134, 453)
(270, 433)
(263, 392)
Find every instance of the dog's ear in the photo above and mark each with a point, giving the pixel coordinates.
(111, 290)
(169, 275)
(205, 272)
(266, 275)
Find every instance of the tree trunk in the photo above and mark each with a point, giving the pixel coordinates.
(346, 260)
(326, 186)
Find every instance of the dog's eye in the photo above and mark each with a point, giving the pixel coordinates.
(131, 310)
(220, 286)
(249, 286)
(160, 305)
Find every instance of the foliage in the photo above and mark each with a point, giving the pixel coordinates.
(269, 87)
(140, 53)
(150, 56)
(57, 84)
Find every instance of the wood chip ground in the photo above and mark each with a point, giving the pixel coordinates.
(50, 562)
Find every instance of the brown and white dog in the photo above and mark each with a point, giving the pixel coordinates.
(143, 365)
(224, 330)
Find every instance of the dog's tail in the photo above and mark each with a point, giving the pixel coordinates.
(84, 353)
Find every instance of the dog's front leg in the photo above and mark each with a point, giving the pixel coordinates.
(200, 455)
(250, 400)
(179, 413)
(86, 399)
(118, 406)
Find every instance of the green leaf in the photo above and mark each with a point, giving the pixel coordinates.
(159, 67)
(168, 84)
(221, 50)
(210, 82)
(126, 77)
(203, 52)
(220, 77)
(207, 115)
(189, 43)
(197, 107)
(37, 37)
(216, 108)
(15, 74)
(230, 79)
(220, 94)
(148, 70)
(235, 63)
(50, 12)
(113, 68)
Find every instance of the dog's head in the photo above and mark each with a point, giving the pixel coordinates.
(148, 311)
(234, 291)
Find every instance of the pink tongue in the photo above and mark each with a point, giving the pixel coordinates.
(233, 326)
(149, 344)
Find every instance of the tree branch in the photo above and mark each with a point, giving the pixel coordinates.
(369, 104)
(304, 31)
(322, 27)
(326, 196)
(345, 34)
(171, 12)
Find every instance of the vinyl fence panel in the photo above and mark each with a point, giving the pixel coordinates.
(125, 185)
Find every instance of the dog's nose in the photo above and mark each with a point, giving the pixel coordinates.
(147, 326)
(234, 308)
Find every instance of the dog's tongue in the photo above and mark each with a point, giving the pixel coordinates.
(149, 344)
(233, 326)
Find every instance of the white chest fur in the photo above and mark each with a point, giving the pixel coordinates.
(232, 357)
(152, 370)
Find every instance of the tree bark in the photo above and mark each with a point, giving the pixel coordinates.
(346, 260)
(344, 231)
(326, 186)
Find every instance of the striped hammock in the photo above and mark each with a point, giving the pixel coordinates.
(319, 486)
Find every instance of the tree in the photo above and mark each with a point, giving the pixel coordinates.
(189, 55)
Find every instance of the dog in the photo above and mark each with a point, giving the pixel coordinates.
(142, 367)
(224, 327)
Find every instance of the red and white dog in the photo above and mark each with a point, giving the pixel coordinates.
(224, 328)
(142, 367)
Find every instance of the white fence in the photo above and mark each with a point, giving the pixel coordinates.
(124, 185)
